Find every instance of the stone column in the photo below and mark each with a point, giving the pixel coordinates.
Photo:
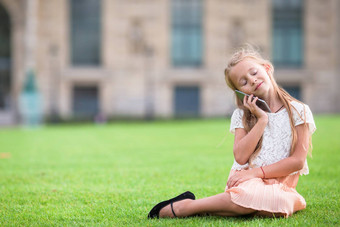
(30, 34)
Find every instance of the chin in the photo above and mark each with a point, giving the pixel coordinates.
(262, 93)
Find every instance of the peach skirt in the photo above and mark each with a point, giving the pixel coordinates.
(277, 195)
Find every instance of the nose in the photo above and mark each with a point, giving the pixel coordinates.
(253, 80)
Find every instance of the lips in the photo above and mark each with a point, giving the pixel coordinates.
(258, 85)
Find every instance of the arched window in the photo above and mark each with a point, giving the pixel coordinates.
(5, 59)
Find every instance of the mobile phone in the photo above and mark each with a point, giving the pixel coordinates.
(260, 103)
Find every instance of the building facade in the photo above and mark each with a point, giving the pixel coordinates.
(161, 58)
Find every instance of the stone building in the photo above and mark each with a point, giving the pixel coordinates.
(161, 58)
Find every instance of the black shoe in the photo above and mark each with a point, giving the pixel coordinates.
(154, 213)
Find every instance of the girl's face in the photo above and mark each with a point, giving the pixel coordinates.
(251, 78)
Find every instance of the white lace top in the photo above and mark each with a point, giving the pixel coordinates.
(277, 136)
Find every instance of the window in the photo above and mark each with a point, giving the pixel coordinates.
(5, 63)
(186, 46)
(85, 32)
(85, 101)
(187, 101)
(288, 33)
(294, 91)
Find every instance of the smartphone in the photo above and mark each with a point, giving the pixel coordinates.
(260, 103)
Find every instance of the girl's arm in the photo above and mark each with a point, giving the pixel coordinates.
(245, 143)
(286, 166)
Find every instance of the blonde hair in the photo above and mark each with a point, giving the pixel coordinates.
(249, 119)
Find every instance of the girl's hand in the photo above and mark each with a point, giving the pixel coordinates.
(250, 104)
(240, 176)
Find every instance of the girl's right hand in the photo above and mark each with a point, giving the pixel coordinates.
(250, 104)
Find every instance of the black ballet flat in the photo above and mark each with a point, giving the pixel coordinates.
(154, 213)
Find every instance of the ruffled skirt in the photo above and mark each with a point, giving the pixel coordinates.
(277, 195)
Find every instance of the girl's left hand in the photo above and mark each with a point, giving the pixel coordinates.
(240, 176)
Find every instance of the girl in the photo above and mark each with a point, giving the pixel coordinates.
(270, 149)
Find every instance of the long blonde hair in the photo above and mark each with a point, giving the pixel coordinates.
(249, 119)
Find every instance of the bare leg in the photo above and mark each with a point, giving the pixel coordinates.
(269, 214)
(219, 204)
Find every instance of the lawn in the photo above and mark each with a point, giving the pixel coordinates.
(113, 174)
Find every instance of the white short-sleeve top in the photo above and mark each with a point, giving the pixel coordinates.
(277, 136)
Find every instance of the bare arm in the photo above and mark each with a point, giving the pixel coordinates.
(245, 143)
(293, 163)
(286, 166)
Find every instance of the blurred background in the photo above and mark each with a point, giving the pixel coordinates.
(65, 60)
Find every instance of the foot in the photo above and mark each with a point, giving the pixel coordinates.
(167, 212)
(154, 212)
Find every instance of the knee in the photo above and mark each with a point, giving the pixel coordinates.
(242, 210)
(237, 209)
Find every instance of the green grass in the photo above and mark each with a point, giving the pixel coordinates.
(114, 174)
